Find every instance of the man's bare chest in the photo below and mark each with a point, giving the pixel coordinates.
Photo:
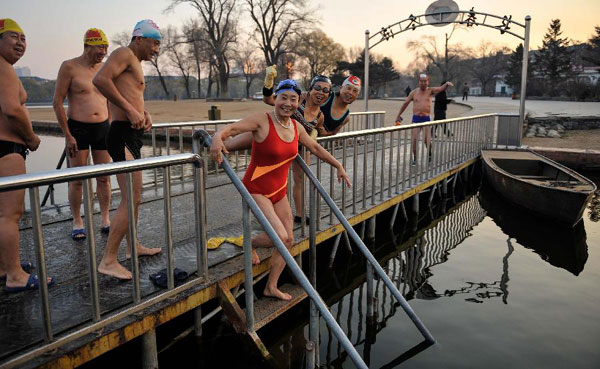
(82, 83)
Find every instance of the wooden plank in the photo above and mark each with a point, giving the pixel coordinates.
(267, 309)
(231, 308)
(238, 319)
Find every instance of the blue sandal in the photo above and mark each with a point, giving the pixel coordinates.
(78, 234)
(26, 266)
(33, 283)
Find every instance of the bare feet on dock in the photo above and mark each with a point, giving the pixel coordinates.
(144, 251)
(275, 292)
(255, 257)
(114, 269)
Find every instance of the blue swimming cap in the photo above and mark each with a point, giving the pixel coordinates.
(288, 85)
(148, 29)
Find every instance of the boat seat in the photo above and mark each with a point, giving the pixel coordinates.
(541, 178)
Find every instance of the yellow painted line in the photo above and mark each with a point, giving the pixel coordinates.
(112, 340)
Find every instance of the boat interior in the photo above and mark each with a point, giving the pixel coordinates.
(533, 169)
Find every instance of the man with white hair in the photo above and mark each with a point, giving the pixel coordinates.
(421, 99)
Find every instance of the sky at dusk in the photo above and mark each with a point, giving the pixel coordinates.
(54, 28)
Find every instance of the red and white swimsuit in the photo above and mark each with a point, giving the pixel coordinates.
(270, 161)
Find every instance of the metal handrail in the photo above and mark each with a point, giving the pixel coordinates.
(249, 204)
(403, 127)
(358, 121)
(50, 189)
(363, 248)
(35, 180)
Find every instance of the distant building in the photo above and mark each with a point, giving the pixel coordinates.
(23, 71)
(587, 75)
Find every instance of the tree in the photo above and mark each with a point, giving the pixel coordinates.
(176, 49)
(275, 22)
(385, 73)
(320, 51)
(193, 34)
(220, 29)
(592, 49)
(123, 39)
(248, 64)
(488, 64)
(514, 68)
(445, 60)
(381, 70)
(553, 60)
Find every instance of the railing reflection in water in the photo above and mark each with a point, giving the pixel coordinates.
(409, 269)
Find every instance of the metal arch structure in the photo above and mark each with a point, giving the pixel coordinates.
(470, 18)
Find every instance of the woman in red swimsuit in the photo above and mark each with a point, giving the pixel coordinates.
(275, 138)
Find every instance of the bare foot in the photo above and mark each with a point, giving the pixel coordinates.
(275, 292)
(114, 269)
(144, 251)
(255, 257)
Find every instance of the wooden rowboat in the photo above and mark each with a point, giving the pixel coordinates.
(537, 183)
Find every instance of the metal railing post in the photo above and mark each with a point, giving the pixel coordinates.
(135, 266)
(89, 225)
(200, 213)
(168, 227)
(154, 171)
(34, 199)
(248, 277)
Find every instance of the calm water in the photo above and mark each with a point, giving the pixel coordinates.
(496, 287)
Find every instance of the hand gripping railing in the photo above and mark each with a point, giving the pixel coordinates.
(202, 137)
(371, 261)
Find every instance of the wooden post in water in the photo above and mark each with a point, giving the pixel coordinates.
(149, 351)
(415, 204)
(371, 230)
(198, 321)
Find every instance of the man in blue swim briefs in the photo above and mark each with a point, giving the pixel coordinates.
(121, 80)
(421, 99)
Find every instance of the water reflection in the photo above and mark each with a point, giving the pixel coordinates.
(594, 207)
(557, 244)
(407, 256)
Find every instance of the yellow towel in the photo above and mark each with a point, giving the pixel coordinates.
(215, 242)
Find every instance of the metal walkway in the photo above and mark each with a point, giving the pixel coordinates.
(78, 322)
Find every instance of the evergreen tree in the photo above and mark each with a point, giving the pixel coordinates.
(553, 61)
(592, 49)
(515, 64)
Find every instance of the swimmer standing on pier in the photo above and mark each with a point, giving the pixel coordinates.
(16, 139)
(85, 124)
(275, 138)
(421, 99)
(121, 80)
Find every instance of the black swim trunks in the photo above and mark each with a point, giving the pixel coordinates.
(121, 135)
(89, 134)
(9, 147)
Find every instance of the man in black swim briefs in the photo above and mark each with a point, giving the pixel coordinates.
(85, 124)
(121, 80)
(16, 138)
